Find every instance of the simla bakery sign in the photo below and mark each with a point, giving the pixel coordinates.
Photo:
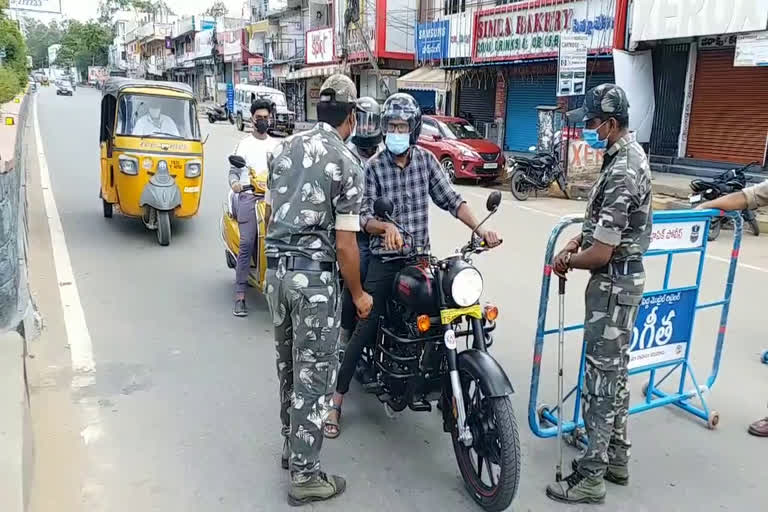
(532, 29)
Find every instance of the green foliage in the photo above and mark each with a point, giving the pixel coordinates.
(39, 37)
(9, 84)
(84, 44)
(13, 71)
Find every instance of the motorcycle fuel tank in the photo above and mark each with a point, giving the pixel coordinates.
(415, 289)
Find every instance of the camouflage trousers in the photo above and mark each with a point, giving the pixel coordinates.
(611, 309)
(305, 314)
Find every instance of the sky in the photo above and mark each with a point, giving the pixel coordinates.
(86, 9)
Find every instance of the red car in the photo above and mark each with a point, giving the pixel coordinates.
(461, 150)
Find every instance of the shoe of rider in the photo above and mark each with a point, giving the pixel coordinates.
(254, 149)
(759, 428)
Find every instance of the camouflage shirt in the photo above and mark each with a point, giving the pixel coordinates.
(315, 188)
(619, 206)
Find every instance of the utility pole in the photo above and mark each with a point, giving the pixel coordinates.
(352, 16)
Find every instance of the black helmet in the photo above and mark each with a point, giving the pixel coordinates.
(403, 107)
(368, 129)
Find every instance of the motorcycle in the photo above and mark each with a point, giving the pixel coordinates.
(537, 172)
(220, 113)
(416, 361)
(230, 230)
(725, 183)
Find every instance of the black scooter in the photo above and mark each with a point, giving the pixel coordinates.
(725, 183)
(220, 113)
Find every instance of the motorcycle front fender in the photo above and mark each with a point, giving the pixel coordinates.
(160, 198)
(494, 382)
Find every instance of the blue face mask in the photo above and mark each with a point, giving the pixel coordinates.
(592, 138)
(398, 143)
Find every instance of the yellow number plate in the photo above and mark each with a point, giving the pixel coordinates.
(449, 315)
(177, 165)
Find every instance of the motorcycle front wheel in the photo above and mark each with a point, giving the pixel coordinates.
(490, 466)
(714, 229)
(561, 183)
(519, 187)
(751, 221)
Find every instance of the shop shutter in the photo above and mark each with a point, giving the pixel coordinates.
(478, 99)
(425, 99)
(523, 96)
(729, 114)
(670, 64)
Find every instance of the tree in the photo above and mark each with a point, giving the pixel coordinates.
(13, 70)
(85, 44)
(39, 37)
(216, 10)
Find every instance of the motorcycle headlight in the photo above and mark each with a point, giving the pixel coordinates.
(193, 169)
(467, 287)
(129, 165)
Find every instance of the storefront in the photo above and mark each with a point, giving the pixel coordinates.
(729, 114)
(429, 86)
(670, 63)
(522, 42)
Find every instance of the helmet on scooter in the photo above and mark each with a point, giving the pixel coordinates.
(368, 129)
(402, 107)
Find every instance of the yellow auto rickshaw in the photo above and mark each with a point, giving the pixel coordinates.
(151, 152)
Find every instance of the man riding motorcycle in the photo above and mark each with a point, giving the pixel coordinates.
(408, 175)
(365, 143)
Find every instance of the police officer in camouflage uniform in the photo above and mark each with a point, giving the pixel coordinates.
(615, 235)
(315, 190)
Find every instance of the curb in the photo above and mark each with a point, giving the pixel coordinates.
(15, 429)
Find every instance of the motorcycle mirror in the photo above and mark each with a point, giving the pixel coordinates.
(237, 161)
(494, 200)
(532, 149)
(383, 207)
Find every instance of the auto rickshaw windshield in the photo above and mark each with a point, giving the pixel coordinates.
(157, 116)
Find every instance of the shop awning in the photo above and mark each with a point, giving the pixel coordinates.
(313, 71)
(425, 78)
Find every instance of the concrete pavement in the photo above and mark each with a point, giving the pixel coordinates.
(180, 410)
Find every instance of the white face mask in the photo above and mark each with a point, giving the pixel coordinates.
(154, 113)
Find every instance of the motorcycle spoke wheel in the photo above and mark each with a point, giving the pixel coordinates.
(490, 466)
(519, 187)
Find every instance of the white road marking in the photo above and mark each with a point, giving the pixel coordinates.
(550, 214)
(78, 337)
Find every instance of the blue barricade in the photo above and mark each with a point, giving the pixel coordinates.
(663, 330)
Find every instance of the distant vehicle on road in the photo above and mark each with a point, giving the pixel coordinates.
(461, 150)
(63, 88)
(283, 119)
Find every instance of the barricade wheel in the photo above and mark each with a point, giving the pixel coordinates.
(714, 419)
(540, 413)
(764, 357)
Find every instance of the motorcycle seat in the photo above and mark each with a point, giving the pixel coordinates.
(533, 161)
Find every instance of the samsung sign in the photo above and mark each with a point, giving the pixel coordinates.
(432, 40)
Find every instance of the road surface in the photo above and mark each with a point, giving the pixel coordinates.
(181, 413)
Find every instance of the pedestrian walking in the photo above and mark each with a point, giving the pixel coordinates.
(751, 198)
(315, 190)
(615, 235)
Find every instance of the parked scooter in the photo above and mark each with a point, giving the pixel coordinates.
(537, 172)
(230, 230)
(725, 183)
(220, 113)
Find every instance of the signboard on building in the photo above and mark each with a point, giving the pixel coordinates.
(432, 40)
(572, 64)
(319, 49)
(203, 43)
(751, 50)
(510, 33)
(53, 6)
(256, 69)
(98, 73)
(654, 20)
(231, 44)
(462, 27)
(708, 42)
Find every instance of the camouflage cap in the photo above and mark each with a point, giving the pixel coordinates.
(603, 101)
(339, 88)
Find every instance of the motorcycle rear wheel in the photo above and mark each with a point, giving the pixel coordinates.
(518, 186)
(495, 444)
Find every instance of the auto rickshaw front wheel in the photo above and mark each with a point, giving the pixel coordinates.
(107, 209)
(164, 228)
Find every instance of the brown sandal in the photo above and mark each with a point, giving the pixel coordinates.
(334, 430)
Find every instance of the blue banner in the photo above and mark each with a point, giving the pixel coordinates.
(432, 40)
(662, 329)
(230, 97)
